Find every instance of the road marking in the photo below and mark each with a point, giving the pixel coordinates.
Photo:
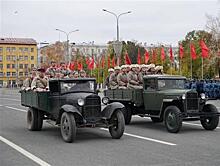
(194, 124)
(1, 105)
(146, 138)
(9, 99)
(17, 109)
(24, 152)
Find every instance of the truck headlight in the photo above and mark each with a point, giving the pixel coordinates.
(202, 95)
(184, 96)
(81, 102)
(105, 100)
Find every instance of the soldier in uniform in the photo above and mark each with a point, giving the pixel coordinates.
(133, 82)
(122, 78)
(27, 82)
(40, 82)
(128, 68)
(113, 78)
(51, 71)
(110, 71)
(63, 70)
(82, 74)
(142, 73)
(159, 70)
(71, 74)
(75, 74)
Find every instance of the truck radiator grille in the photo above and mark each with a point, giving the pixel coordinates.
(92, 107)
(192, 101)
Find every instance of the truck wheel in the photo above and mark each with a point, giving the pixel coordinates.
(156, 120)
(32, 119)
(209, 123)
(117, 125)
(127, 115)
(68, 127)
(40, 118)
(172, 119)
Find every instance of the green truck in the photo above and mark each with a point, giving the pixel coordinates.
(164, 98)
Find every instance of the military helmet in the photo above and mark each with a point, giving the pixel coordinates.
(110, 70)
(117, 68)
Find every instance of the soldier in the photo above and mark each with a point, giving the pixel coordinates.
(51, 71)
(82, 74)
(75, 74)
(28, 81)
(159, 70)
(110, 71)
(128, 68)
(142, 73)
(113, 78)
(133, 82)
(122, 78)
(71, 74)
(40, 83)
(152, 68)
(63, 70)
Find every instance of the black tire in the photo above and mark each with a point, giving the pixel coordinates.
(210, 123)
(172, 119)
(68, 127)
(32, 119)
(117, 127)
(40, 118)
(156, 120)
(127, 114)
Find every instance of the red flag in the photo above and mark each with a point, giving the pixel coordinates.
(162, 54)
(146, 58)
(204, 48)
(139, 57)
(91, 64)
(154, 58)
(181, 51)
(192, 51)
(127, 59)
(109, 62)
(113, 62)
(171, 54)
(79, 65)
(103, 62)
(71, 66)
(87, 61)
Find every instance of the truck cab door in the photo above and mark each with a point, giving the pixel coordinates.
(150, 96)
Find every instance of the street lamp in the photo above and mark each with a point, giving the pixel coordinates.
(117, 45)
(67, 59)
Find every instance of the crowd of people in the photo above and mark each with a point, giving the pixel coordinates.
(211, 88)
(130, 76)
(38, 79)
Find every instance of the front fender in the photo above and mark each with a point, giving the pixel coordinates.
(70, 108)
(111, 108)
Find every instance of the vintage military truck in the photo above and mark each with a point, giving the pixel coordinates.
(163, 98)
(71, 104)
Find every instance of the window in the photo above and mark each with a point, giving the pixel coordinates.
(14, 74)
(8, 49)
(150, 84)
(21, 74)
(1, 66)
(12, 66)
(8, 57)
(25, 49)
(21, 49)
(1, 74)
(20, 66)
(32, 49)
(32, 66)
(8, 66)
(13, 48)
(1, 58)
(21, 57)
(13, 57)
(26, 66)
(26, 73)
(32, 57)
(25, 58)
(8, 74)
(1, 49)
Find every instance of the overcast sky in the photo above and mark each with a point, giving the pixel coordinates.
(159, 21)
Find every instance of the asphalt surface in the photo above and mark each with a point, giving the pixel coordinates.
(144, 142)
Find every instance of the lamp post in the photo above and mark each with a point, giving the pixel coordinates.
(117, 45)
(67, 59)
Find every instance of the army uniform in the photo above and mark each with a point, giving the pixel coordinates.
(122, 80)
(27, 83)
(64, 71)
(108, 77)
(39, 83)
(133, 82)
(51, 71)
(140, 76)
(113, 81)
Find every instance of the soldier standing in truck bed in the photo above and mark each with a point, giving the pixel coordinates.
(27, 82)
(133, 82)
(122, 78)
(63, 70)
(142, 73)
(110, 71)
(113, 78)
(51, 71)
(40, 82)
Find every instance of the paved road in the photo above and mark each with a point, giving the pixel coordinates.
(144, 143)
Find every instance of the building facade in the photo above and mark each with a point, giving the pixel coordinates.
(17, 57)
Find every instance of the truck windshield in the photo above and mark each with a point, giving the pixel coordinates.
(171, 84)
(77, 86)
